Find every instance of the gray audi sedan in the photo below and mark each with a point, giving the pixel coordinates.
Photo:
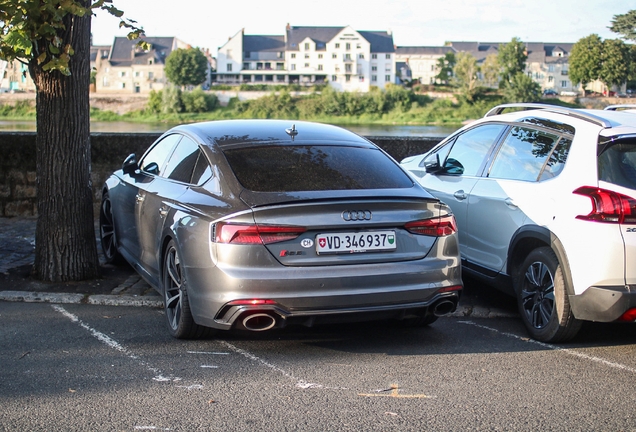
(258, 224)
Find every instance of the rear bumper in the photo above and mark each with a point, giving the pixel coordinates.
(603, 304)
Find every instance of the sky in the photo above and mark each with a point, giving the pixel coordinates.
(209, 23)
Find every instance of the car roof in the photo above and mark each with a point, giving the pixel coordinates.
(612, 121)
(254, 132)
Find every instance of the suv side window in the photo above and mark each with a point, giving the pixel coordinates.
(523, 154)
(156, 157)
(617, 164)
(472, 147)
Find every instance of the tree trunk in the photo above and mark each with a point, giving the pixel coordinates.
(65, 246)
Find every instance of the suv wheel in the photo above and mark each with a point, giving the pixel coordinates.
(542, 298)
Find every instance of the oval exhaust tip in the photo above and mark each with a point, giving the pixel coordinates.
(259, 322)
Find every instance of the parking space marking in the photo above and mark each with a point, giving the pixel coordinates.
(110, 342)
(556, 348)
(300, 383)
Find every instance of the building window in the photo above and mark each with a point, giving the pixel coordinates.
(374, 78)
(348, 78)
(246, 66)
(247, 54)
(293, 55)
(388, 56)
(122, 74)
(105, 82)
(347, 46)
(550, 79)
(280, 66)
(138, 74)
(306, 46)
(122, 85)
(151, 75)
(319, 56)
(281, 54)
(334, 55)
(348, 68)
(149, 61)
(337, 45)
(387, 78)
(374, 56)
(268, 66)
(319, 67)
(293, 66)
(551, 68)
(306, 56)
(306, 65)
(334, 78)
(361, 56)
(387, 69)
(374, 68)
(358, 46)
(565, 84)
(229, 67)
(361, 78)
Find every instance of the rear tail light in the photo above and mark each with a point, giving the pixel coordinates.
(251, 302)
(608, 206)
(254, 234)
(630, 315)
(436, 227)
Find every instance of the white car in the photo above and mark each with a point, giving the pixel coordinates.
(545, 203)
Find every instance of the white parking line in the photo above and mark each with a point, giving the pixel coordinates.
(114, 344)
(299, 382)
(556, 348)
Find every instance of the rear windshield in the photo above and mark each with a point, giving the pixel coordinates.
(314, 168)
(617, 164)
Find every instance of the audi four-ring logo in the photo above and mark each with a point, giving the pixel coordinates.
(356, 215)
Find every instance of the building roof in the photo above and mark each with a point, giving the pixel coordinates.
(423, 50)
(380, 41)
(255, 43)
(125, 52)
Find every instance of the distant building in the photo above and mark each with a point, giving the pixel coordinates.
(419, 63)
(131, 69)
(14, 76)
(346, 59)
(547, 63)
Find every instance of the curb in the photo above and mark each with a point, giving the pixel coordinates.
(70, 298)
(156, 302)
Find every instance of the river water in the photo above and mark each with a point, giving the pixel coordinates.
(364, 130)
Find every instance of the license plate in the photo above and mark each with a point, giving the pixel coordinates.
(356, 242)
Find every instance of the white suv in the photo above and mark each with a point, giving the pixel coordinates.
(545, 203)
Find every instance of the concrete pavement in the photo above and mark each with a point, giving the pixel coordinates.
(122, 286)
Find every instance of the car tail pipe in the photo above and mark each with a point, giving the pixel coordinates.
(260, 321)
(444, 306)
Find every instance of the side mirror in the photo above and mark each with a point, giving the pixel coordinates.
(453, 167)
(130, 164)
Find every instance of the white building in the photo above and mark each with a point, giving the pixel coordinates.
(346, 59)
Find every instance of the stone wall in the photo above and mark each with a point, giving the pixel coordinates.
(108, 150)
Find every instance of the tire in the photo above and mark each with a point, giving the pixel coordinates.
(181, 325)
(107, 236)
(542, 298)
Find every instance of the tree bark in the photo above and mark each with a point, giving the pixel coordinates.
(65, 246)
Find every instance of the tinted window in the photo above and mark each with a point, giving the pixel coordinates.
(181, 163)
(311, 168)
(472, 147)
(617, 164)
(557, 159)
(202, 170)
(523, 154)
(156, 157)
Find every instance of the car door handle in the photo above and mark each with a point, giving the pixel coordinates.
(460, 195)
(163, 211)
(510, 203)
(139, 198)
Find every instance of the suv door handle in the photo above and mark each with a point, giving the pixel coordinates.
(163, 211)
(139, 198)
(510, 203)
(460, 195)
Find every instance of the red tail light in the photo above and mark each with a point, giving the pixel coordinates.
(608, 206)
(254, 234)
(630, 315)
(436, 227)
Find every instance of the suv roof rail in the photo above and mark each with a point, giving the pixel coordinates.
(619, 107)
(573, 112)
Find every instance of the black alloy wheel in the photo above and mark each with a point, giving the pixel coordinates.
(107, 235)
(542, 298)
(181, 325)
